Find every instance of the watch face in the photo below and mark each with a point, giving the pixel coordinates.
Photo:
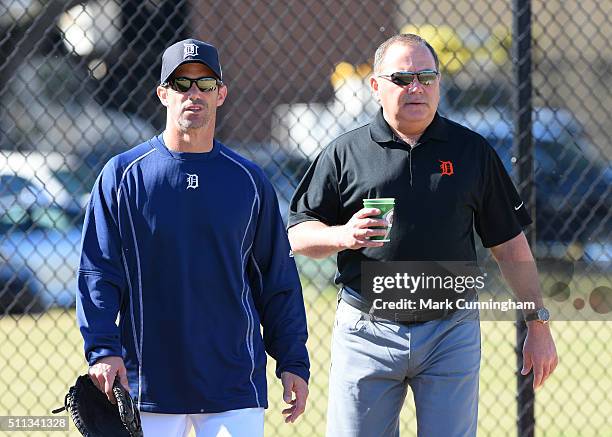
(543, 315)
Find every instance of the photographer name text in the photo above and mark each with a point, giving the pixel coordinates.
(448, 304)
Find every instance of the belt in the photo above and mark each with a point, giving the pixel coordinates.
(351, 297)
(354, 299)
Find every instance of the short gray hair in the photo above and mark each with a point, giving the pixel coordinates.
(403, 38)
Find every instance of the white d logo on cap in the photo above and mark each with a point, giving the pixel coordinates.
(189, 50)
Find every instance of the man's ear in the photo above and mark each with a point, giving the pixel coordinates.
(374, 88)
(221, 95)
(162, 94)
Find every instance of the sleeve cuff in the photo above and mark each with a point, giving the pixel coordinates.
(96, 354)
(496, 242)
(300, 218)
(300, 371)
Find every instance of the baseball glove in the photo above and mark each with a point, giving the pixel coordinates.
(95, 416)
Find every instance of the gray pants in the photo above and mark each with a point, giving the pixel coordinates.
(374, 361)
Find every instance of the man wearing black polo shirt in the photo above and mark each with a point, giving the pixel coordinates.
(446, 181)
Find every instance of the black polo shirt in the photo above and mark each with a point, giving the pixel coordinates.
(451, 182)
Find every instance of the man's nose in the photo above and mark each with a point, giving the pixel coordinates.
(415, 86)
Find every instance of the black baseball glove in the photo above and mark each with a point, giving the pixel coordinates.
(95, 416)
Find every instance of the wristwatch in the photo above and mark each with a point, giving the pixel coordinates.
(542, 315)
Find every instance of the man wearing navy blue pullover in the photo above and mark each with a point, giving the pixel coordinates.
(184, 242)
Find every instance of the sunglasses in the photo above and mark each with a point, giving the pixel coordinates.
(204, 84)
(403, 78)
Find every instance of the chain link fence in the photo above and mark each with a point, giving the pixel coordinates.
(77, 85)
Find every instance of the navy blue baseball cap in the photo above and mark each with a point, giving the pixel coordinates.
(187, 51)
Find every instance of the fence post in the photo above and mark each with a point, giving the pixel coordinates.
(523, 146)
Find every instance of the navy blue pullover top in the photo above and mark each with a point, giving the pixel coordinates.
(189, 249)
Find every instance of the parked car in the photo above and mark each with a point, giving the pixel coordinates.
(62, 177)
(49, 106)
(20, 290)
(40, 233)
(573, 180)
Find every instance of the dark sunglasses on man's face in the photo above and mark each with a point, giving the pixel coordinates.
(403, 78)
(204, 84)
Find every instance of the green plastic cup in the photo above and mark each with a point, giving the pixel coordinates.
(386, 206)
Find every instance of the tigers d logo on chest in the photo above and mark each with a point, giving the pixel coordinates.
(192, 181)
(446, 168)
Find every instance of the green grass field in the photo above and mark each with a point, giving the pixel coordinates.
(41, 356)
